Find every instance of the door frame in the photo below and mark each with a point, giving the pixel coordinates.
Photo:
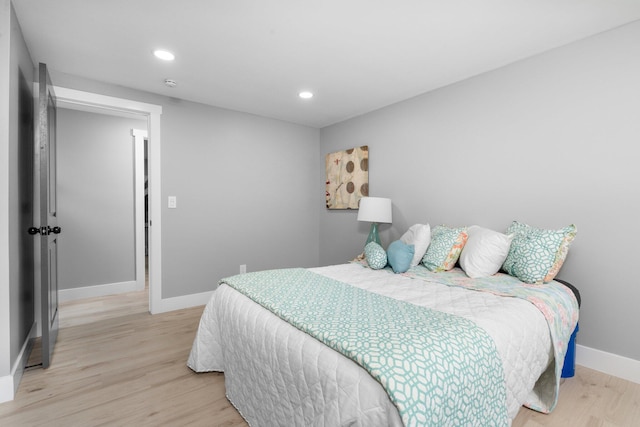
(71, 98)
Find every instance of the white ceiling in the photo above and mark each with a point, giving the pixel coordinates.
(256, 55)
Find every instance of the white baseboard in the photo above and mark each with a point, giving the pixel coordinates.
(178, 303)
(9, 383)
(98, 290)
(608, 363)
(163, 305)
(6, 388)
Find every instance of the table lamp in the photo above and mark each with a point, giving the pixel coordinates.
(375, 210)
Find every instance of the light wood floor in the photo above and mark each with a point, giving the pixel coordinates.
(115, 364)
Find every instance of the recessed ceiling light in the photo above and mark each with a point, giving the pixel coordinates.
(164, 55)
(305, 95)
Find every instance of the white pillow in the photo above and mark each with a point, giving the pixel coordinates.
(485, 252)
(418, 235)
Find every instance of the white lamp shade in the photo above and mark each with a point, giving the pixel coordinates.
(375, 209)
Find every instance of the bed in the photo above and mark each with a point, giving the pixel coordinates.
(337, 345)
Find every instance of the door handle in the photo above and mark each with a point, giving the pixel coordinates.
(45, 231)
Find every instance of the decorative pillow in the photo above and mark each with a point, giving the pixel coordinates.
(444, 250)
(485, 252)
(418, 235)
(375, 255)
(399, 255)
(536, 255)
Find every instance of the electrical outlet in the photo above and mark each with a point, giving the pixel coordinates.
(243, 268)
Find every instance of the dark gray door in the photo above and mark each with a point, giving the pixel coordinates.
(49, 228)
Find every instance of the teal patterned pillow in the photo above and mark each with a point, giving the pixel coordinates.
(375, 255)
(445, 247)
(536, 255)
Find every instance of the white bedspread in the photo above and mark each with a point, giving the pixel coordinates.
(278, 375)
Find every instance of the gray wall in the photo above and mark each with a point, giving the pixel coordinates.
(95, 198)
(16, 296)
(549, 141)
(244, 186)
(5, 289)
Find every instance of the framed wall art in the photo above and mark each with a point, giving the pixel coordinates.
(347, 177)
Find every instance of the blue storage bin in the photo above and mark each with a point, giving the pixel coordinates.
(569, 367)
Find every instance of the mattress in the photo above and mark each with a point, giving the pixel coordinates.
(275, 374)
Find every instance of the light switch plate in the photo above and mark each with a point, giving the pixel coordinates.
(173, 202)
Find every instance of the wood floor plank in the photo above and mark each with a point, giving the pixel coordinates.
(115, 364)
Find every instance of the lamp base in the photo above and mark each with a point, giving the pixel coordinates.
(373, 234)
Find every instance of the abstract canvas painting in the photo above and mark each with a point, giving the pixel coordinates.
(347, 177)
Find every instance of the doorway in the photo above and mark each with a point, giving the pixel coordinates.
(97, 195)
(69, 98)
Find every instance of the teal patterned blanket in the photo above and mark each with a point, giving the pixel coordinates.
(555, 301)
(438, 369)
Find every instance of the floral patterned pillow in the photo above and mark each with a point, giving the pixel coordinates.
(445, 247)
(536, 254)
(375, 255)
